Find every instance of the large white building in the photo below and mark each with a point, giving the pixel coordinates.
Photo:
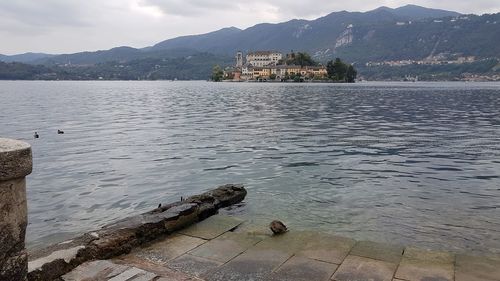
(263, 58)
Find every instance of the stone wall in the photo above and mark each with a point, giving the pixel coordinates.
(15, 164)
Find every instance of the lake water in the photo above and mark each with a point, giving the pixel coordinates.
(409, 163)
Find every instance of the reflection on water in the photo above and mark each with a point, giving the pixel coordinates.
(409, 163)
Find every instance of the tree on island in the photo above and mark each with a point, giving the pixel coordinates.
(351, 74)
(302, 59)
(217, 74)
(341, 72)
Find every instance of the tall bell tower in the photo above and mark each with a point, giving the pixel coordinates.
(239, 59)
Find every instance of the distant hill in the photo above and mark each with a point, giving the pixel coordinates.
(118, 54)
(384, 34)
(409, 32)
(414, 12)
(26, 57)
(325, 37)
(193, 67)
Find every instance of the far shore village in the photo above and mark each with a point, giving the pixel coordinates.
(270, 65)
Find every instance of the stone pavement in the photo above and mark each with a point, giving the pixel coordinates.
(223, 248)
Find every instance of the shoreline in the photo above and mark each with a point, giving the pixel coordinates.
(223, 248)
(205, 244)
(364, 82)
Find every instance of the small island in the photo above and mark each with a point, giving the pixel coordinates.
(272, 66)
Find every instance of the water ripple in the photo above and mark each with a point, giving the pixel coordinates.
(409, 163)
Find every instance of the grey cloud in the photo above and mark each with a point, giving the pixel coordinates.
(42, 13)
(191, 8)
(62, 26)
(304, 9)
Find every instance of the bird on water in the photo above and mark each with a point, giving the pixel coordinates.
(36, 135)
(60, 132)
(278, 227)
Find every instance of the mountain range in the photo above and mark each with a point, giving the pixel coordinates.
(406, 33)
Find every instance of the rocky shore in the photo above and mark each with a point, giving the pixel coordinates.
(121, 237)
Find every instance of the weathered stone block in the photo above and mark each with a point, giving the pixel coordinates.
(193, 265)
(364, 269)
(378, 251)
(226, 246)
(96, 270)
(471, 268)
(15, 164)
(13, 216)
(252, 265)
(319, 246)
(424, 265)
(15, 159)
(167, 249)
(303, 269)
(212, 227)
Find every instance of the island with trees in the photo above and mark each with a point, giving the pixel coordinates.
(270, 66)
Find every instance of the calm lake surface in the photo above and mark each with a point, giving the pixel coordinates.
(409, 163)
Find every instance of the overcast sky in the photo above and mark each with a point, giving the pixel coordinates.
(67, 26)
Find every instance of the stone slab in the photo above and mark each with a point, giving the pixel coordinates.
(471, 268)
(167, 249)
(319, 246)
(364, 269)
(426, 265)
(96, 270)
(226, 246)
(147, 276)
(252, 265)
(378, 251)
(327, 248)
(193, 265)
(303, 269)
(163, 272)
(212, 227)
(104, 270)
(129, 274)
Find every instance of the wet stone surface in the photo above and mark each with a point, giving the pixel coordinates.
(319, 246)
(426, 265)
(472, 268)
(168, 249)
(303, 269)
(252, 265)
(226, 246)
(212, 227)
(193, 265)
(364, 269)
(378, 251)
(243, 254)
(105, 270)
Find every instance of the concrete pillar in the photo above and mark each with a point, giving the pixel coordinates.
(15, 164)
